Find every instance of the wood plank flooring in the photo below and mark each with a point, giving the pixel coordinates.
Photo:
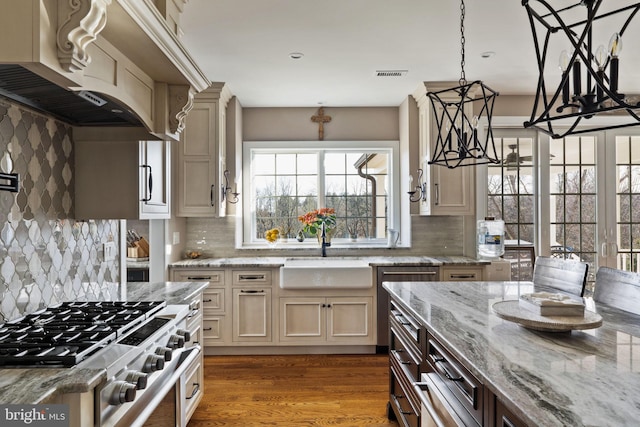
(295, 390)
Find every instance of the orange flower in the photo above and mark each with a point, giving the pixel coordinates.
(313, 220)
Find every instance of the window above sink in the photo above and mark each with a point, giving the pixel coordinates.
(284, 180)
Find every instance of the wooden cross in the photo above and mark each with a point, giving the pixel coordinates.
(321, 119)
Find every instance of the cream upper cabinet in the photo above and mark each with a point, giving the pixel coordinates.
(449, 191)
(118, 175)
(201, 154)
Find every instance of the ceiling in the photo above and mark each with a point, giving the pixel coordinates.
(247, 45)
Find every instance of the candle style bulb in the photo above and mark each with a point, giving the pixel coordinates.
(615, 47)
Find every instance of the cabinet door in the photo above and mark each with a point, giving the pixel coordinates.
(197, 191)
(302, 319)
(350, 319)
(155, 196)
(252, 314)
(451, 190)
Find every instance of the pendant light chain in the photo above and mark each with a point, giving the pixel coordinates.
(463, 78)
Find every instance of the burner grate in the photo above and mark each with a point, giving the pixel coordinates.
(65, 334)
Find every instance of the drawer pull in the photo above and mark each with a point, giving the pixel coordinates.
(196, 388)
(463, 276)
(198, 277)
(409, 273)
(251, 277)
(207, 329)
(208, 300)
(447, 373)
(251, 291)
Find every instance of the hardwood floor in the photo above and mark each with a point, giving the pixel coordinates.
(294, 390)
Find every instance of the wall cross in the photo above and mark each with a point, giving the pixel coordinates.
(321, 119)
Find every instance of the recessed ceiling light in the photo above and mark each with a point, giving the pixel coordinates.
(487, 54)
(296, 55)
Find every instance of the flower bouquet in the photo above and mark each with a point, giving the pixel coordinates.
(312, 221)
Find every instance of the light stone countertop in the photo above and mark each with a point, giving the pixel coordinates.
(43, 385)
(577, 378)
(267, 262)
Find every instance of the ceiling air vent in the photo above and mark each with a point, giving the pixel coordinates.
(391, 73)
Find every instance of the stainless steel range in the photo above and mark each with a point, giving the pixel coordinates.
(140, 345)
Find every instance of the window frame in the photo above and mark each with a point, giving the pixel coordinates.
(245, 222)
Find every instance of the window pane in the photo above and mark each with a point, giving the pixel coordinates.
(335, 185)
(286, 164)
(334, 163)
(263, 164)
(307, 185)
(307, 164)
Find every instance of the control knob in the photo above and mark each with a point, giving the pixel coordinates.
(175, 341)
(185, 334)
(139, 379)
(165, 352)
(121, 392)
(153, 363)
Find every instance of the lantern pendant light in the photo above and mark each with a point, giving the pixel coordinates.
(588, 78)
(459, 112)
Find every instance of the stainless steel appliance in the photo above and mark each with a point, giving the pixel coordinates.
(140, 345)
(397, 274)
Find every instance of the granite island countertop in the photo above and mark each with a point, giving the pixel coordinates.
(577, 378)
(268, 262)
(44, 385)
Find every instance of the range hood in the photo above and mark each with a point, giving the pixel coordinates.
(78, 108)
(100, 62)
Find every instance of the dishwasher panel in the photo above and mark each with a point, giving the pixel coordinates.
(397, 273)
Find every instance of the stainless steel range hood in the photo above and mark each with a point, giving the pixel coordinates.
(100, 62)
(78, 108)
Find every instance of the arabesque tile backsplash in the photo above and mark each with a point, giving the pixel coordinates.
(45, 255)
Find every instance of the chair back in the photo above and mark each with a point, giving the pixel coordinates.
(564, 275)
(618, 288)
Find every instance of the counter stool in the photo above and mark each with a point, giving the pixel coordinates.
(618, 288)
(557, 274)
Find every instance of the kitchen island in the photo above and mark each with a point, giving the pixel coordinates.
(45, 385)
(576, 378)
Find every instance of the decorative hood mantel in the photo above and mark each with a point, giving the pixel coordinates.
(117, 53)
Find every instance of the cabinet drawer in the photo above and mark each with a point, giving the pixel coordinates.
(409, 326)
(471, 274)
(213, 301)
(406, 356)
(251, 277)
(458, 380)
(214, 277)
(402, 399)
(192, 381)
(212, 330)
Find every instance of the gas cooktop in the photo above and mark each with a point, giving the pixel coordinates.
(65, 334)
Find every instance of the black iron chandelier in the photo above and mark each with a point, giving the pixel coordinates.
(458, 113)
(574, 100)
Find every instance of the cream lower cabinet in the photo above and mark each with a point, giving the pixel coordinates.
(252, 315)
(214, 313)
(317, 320)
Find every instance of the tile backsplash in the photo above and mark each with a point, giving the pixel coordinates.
(45, 255)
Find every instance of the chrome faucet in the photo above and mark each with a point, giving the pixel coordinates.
(324, 240)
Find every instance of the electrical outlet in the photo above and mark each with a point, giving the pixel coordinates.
(176, 237)
(109, 251)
